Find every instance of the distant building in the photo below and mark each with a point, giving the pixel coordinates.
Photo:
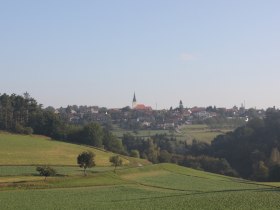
(137, 106)
(134, 102)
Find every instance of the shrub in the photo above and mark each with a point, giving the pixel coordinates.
(46, 171)
(134, 153)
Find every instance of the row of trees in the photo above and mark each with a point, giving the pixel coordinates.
(84, 160)
(22, 114)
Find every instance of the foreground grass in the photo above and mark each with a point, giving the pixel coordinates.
(131, 197)
(162, 186)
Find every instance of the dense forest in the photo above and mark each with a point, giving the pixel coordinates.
(251, 151)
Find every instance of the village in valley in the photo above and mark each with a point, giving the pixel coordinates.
(139, 116)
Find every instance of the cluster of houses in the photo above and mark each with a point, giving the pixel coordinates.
(140, 116)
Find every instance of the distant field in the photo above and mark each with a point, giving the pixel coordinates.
(199, 132)
(34, 150)
(163, 186)
(140, 133)
(186, 133)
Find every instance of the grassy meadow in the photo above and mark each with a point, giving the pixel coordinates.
(40, 150)
(199, 132)
(162, 186)
(139, 133)
(159, 186)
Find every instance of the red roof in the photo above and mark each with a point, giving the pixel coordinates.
(142, 107)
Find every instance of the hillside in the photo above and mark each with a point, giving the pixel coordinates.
(159, 186)
(34, 150)
(162, 186)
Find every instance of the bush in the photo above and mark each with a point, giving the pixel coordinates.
(23, 130)
(46, 171)
(134, 153)
(28, 130)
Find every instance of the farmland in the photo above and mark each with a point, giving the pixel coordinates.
(159, 186)
(185, 133)
(199, 132)
(163, 186)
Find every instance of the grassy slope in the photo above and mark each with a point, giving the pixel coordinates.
(163, 186)
(34, 150)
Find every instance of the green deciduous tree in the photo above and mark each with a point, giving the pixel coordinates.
(165, 156)
(86, 160)
(111, 142)
(93, 134)
(116, 161)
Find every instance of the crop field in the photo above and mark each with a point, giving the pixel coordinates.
(36, 150)
(162, 186)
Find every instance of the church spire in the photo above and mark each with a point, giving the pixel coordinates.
(134, 102)
(134, 98)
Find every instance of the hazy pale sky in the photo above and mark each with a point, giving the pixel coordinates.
(93, 52)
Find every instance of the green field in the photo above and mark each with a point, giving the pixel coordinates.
(38, 150)
(163, 186)
(160, 186)
(139, 133)
(185, 133)
(199, 132)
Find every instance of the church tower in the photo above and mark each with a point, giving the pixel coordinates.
(134, 102)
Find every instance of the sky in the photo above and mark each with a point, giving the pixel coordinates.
(92, 52)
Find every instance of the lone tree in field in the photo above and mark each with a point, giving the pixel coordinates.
(86, 160)
(46, 171)
(116, 161)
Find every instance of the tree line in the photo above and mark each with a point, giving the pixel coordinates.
(23, 114)
(253, 150)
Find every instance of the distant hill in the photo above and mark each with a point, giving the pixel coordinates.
(34, 150)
